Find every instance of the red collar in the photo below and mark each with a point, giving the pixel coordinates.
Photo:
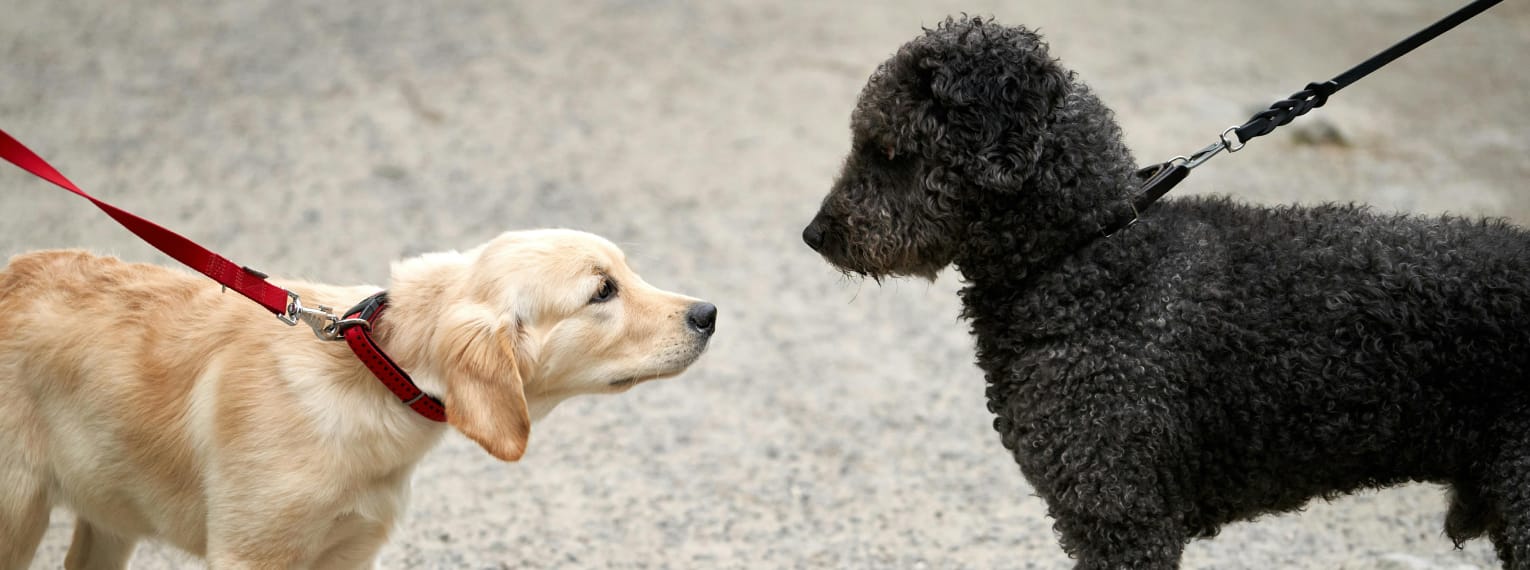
(356, 327)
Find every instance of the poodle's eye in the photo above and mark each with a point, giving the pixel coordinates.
(606, 292)
(886, 151)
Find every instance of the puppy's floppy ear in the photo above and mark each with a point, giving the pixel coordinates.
(486, 396)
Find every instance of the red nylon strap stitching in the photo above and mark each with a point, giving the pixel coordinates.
(392, 377)
(220, 269)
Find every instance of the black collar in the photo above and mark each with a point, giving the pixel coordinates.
(1151, 184)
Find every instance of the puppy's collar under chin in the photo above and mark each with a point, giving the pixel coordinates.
(356, 329)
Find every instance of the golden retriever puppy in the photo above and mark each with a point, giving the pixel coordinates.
(156, 406)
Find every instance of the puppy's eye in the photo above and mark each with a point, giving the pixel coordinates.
(892, 152)
(606, 292)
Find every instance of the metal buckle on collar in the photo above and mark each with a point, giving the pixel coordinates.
(361, 315)
(1136, 216)
(366, 310)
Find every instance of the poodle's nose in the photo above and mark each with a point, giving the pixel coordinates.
(702, 318)
(812, 235)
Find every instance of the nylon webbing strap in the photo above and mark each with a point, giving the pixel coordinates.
(245, 281)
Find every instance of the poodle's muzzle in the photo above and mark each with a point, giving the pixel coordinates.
(832, 238)
(829, 239)
(816, 232)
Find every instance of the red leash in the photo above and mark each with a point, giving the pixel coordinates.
(355, 328)
(243, 280)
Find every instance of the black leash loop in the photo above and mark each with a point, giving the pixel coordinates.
(1283, 111)
(1158, 179)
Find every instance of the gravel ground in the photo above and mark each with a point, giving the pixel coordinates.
(834, 423)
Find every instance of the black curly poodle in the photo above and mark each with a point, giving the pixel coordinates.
(1215, 362)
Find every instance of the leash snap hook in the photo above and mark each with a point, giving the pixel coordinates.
(322, 319)
(1201, 156)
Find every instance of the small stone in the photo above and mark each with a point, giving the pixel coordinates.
(390, 172)
(1314, 131)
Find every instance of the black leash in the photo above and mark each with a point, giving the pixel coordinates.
(1158, 179)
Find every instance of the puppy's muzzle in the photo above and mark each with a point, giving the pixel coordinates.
(702, 318)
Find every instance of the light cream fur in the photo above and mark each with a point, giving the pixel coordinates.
(155, 406)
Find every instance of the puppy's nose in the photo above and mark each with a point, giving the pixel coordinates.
(812, 235)
(702, 318)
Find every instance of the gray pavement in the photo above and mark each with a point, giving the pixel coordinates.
(834, 424)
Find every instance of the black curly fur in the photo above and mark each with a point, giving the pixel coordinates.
(1215, 362)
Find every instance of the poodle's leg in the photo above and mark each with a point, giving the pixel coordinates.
(1471, 514)
(1101, 543)
(1506, 482)
(1512, 537)
(1107, 487)
(95, 549)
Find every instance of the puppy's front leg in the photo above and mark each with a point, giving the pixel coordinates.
(347, 543)
(354, 544)
(24, 512)
(267, 531)
(94, 549)
(239, 554)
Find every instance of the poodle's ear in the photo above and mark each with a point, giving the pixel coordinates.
(998, 89)
(976, 62)
(486, 397)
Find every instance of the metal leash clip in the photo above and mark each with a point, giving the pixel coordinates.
(325, 323)
(1228, 141)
